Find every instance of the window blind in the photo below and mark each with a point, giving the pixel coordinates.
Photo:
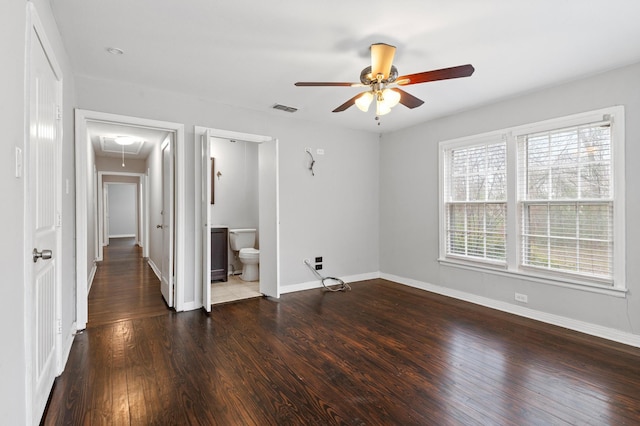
(475, 201)
(565, 191)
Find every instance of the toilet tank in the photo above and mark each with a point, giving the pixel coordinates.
(242, 238)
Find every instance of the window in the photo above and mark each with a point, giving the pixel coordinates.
(476, 201)
(544, 200)
(566, 198)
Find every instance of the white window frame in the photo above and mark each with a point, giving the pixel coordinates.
(513, 266)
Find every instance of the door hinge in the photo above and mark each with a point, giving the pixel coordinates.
(58, 112)
(58, 219)
(59, 326)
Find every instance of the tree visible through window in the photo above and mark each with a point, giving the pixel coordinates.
(476, 201)
(566, 194)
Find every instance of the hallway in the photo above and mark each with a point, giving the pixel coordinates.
(125, 287)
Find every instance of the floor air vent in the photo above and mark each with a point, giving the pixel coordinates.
(285, 108)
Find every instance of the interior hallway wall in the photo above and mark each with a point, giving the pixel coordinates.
(134, 180)
(123, 210)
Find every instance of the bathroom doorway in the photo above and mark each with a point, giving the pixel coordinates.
(238, 190)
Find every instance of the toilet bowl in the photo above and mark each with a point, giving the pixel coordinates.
(250, 258)
(242, 241)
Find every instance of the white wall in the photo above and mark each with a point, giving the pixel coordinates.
(134, 180)
(334, 214)
(110, 164)
(12, 250)
(409, 199)
(236, 190)
(123, 209)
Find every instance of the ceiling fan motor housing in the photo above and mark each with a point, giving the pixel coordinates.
(368, 79)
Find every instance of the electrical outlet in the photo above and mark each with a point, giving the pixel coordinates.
(305, 261)
(522, 298)
(318, 267)
(319, 259)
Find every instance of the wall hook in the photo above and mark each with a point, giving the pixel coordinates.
(311, 163)
(219, 174)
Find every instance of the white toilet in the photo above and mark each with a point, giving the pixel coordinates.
(242, 241)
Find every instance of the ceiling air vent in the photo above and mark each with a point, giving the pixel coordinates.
(285, 108)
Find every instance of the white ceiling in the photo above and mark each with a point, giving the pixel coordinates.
(103, 134)
(249, 53)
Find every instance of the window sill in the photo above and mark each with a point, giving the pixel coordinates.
(539, 278)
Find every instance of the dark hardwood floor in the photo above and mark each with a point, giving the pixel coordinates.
(125, 287)
(381, 354)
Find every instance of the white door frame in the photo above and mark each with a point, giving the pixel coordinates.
(143, 218)
(83, 145)
(272, 234)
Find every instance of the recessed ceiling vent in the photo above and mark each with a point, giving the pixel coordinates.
(285, 108)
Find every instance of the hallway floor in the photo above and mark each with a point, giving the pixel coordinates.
(125, 287)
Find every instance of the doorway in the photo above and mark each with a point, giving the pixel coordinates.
(139, 213)
(267, 200)
(86, 187)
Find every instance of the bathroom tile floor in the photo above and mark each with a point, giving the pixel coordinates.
(234, 289)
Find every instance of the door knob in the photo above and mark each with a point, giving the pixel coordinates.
(159, 226)
(44, 254)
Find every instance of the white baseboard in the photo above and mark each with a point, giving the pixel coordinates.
(92, 275)
(66, 348)
(309, 285)
(190, 306)
(155, 269)
(570, 323)
(122, 236)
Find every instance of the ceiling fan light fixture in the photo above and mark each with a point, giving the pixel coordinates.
(390, 97)
(364, 101)
(124, 140)
(382, 108)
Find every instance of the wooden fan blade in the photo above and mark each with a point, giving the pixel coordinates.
(408, 100)
(442, 74)
(381, 59)
(317, 83)
(347, 104)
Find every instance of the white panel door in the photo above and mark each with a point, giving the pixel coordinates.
(44, 220)
(269, 221)
(167, 285)
(205, 152)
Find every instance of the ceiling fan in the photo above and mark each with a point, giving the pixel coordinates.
(383, 81)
